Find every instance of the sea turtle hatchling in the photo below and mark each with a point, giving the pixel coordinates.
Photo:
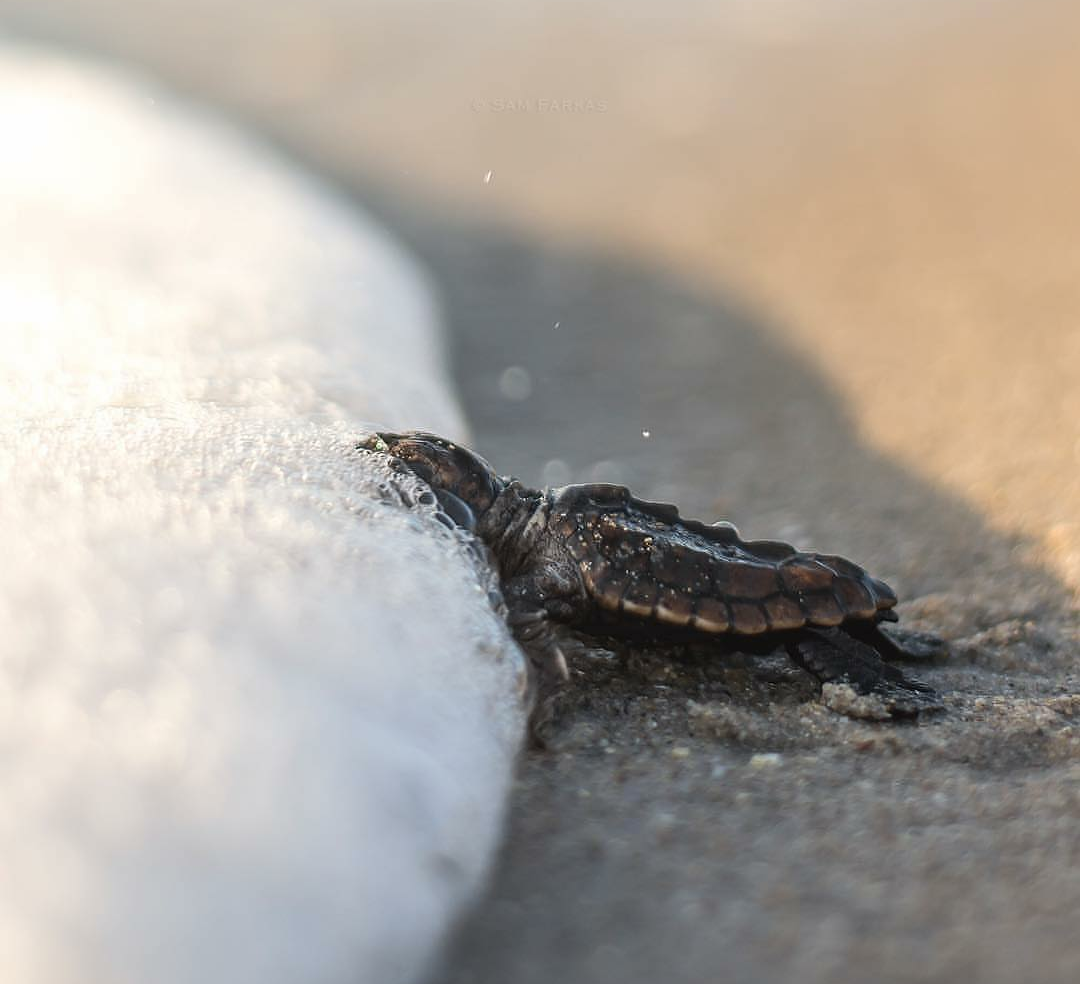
(594, 559)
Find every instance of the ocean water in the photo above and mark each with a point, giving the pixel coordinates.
(257, 714)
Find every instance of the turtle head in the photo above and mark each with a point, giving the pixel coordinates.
(465, 484)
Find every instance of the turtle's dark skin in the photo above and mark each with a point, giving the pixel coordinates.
(595, 559)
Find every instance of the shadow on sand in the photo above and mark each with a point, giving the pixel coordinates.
(739, 427)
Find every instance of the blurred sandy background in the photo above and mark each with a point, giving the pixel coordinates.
(814, 267)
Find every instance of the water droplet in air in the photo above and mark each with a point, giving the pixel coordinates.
(488, 177)
(646, 433)
(515, 383)
(556, 325)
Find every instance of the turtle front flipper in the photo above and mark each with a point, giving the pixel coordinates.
(546, 644)
(834, 656)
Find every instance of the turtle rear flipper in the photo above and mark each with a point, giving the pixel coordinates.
(900, 645)
(834, 656)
